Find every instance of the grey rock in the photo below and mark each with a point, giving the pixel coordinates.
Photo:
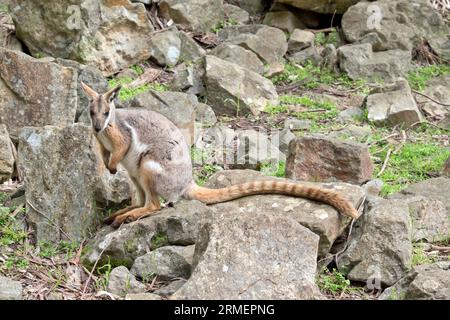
(299, 40)
(142, 296)
(165, 47)
(284, 20)
(10, 289)
(330, 58)
(309, 54)
(170, 289)
(379, 249)
(321, 6)
(188, 78)
(178, 107)
(238, 55)
(270, 44)
(236, 14)
(322, 158)
(67, 162)
(6, 155)
(439, 90)
(190, 51)
(404, 25)
(350, 114)
(373, 187)
(393, 105)
(297, 124)
(252, 6)
(176, 226)
(121, 282)
(424, 282)
(197, 15)
(27, 102)
(8, 39)
(84, 35)
(233, 90)
(204, 115)
(360, 62)
(320, 218)
(167, 263)
(282, 140)
(258, 256)
(446, 169)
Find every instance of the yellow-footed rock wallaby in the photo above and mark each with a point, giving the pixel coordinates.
(157, 158)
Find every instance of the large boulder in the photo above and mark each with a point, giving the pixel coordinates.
(320, 158)
(252, 6)
(398, 24)
(10, 289)
(165, 47)
(6, 155)
(255, 256)
(35, 93)
(393, 105)
(320, 218)
(234, 90)
(65, 182)
(178, 107)
(197, 15)
(359, 61)
(424, 282)
(110, 35)
(270, 44)
(284, 20)
(321, 6)
(8, 39)
(175, 226)
(379, 250)
(238, 55)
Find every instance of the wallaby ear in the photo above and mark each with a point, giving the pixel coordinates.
(112, 94)
(89, 91)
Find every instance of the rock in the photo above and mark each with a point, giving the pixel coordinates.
(424, 282)
(252, 6)
(170, 289)
(299, 40)
(319, 158)
(178, 107)
(352, 133)
(190, 51)
(429, 219)
(321, 6)
(167, 263)
(113, 40)
(26, 102)
(268, 43)
(233, 90)
(189, 79)
(373, 187)
(197, 15)
(237, 148)
(142, 296)
(379, 250)
(93, 78)
(320, 218)
(121, 282)
(393, 105)
(309, 54)
(403, 25)
(360, 62)
(274, 69)
(65, 182)
(258, 256)
(282, 140)
(204, 115)
(330, 58)
(238, 55)
(350, 114)
(236, 14)
(284, 20)
(8, 39)
(297, 124)
(6, 155)
(165, 47)
(10, 289)
(438, 89)
(175, 226)
(446, 169)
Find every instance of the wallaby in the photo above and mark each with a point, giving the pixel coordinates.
(157, 158)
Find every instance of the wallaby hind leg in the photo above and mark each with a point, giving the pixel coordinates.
(152, 203)
(137, 202)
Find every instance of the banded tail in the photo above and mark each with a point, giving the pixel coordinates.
(211, 196)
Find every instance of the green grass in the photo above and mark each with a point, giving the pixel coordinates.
(271, 170)
(420, 257)
(310, 76)
(333, 282)
(322, 39)
(104, 271)
(414, 162)
(11, 232)
(159, 240)
(129, 93)
(138, 69)
(222, 24)
(314, 110)
(48, 249)
(419, 77)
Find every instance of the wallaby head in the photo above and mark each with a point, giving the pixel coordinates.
(101, 107)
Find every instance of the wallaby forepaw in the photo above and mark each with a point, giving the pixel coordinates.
(112, 170)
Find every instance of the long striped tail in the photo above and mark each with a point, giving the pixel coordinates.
(211, 196)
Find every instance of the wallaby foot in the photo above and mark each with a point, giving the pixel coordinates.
(133, 215)
(111, 218)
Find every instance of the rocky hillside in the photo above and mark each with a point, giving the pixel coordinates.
(350, 95)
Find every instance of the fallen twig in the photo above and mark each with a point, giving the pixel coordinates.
(386, 160)
(432, 99)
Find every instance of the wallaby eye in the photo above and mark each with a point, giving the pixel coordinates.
(106, 113)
